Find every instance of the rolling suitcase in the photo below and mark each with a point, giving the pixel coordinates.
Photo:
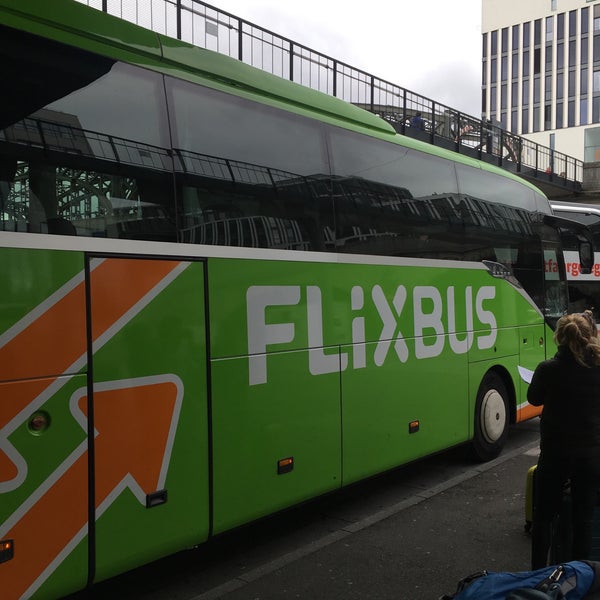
(560, 549)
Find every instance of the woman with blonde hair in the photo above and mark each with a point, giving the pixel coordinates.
(568, 387)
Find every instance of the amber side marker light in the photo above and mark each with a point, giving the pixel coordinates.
(285, 465)
(7, 550)
(413, 426)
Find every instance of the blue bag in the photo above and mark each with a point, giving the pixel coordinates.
(572, 581)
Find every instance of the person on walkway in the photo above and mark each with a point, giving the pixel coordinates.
(568, 388)
(417, 121)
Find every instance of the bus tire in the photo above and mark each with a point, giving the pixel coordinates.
(491, 418)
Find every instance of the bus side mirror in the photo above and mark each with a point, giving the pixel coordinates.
(586, 257)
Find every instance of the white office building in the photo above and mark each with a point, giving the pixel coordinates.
(541, 72)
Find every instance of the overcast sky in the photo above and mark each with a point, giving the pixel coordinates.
(432, 48)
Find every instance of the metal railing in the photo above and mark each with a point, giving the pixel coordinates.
(206, 26)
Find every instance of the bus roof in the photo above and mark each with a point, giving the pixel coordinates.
(71, 22)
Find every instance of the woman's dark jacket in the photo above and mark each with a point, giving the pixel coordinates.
(570, 394)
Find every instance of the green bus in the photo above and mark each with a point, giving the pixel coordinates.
(225, 294)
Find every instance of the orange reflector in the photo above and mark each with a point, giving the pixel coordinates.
(6, 550)
(413, 426)
(285, 465)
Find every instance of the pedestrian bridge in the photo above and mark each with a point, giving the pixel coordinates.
(203, 25)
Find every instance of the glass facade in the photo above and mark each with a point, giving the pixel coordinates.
(546, 70)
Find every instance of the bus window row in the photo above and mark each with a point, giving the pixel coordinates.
(95, 147)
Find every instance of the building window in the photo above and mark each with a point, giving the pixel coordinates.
(494, 44)
(553, 4)
(584, 51)
(549, 29)
(560, 26)
(571, 84)
(573, 23)
(597, 17)
(596, 110)
(560, 56)
(525, 93)
(560, 79)
(583, 120)
(591, 144)
(585, 17)
(572, 57)
(515, 37)
(571, 108)
(526, 40)
(548, 117)
(596, 84)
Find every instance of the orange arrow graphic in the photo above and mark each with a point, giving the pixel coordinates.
(135, 427)
(54, 343)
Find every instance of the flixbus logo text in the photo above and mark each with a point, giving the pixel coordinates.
(434, 318)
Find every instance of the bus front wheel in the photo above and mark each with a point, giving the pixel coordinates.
(491, 418)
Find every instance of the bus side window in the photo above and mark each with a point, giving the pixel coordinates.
(529, 270)
(10, 217)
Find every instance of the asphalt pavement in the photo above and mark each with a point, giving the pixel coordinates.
(417, 549)
(410, 535)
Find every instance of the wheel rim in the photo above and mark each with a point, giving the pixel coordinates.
(493, 416)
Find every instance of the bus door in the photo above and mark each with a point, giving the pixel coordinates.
(149, 410)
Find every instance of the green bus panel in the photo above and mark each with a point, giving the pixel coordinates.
(43, 447)
(281, 306)
(47, 513)
(358, 334)
(43, 312)
(378, 406)
(296, 416)
(150, 396)
(506, 343)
